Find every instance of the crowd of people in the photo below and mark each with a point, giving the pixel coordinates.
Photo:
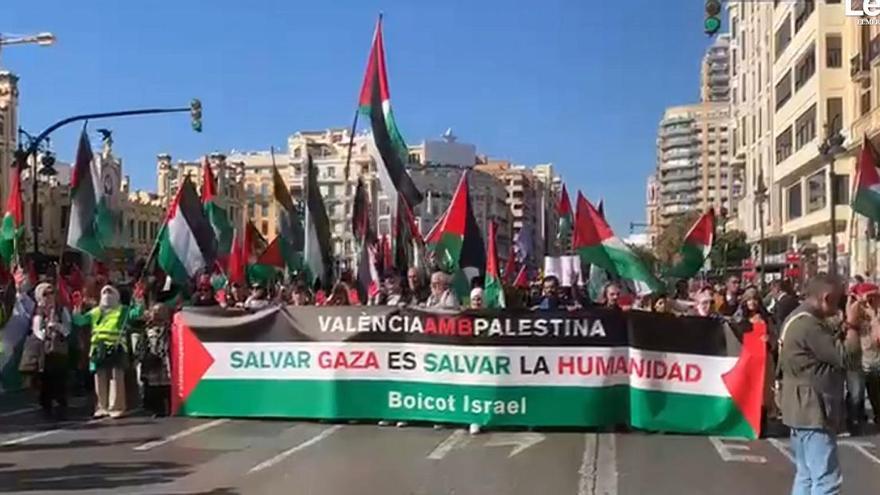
(826, 340)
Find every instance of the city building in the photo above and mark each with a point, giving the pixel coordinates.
(808, 104)
(863, 43)
(531, 205)
(715, 71)
(229, 172)
(752, 130)
(693, 163)
(8, 127)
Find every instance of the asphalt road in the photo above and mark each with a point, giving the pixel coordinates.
(141, 455)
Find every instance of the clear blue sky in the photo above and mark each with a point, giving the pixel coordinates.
(580, 83)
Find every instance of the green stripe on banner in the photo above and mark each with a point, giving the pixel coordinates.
(517, 405)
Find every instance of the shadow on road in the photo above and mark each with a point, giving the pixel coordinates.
(91, 476)
(75, 444)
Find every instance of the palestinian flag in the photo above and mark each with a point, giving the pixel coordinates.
(236, 268)
(406, 232)
(596, 244)
(318, 252)
(367, 272)
(522, 279)
(92, 222)
(566, 219)
(493, 291)
(386, 144)
(291, 237)
(186, 241)
(696, 248)
(13, 220)
(867, 197)
(216, 214)
(457, 244)
(510, 267)
(386, 256)
(360, 221)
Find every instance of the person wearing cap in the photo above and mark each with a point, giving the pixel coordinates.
(863, 377)
(108, 349)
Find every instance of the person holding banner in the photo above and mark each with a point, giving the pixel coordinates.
(814, 358)
(441, 296)
(51, 326)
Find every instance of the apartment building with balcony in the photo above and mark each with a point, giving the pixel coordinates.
(864, 99)
(715, 71)
(812, 96)
(752, 115)
(693, 163)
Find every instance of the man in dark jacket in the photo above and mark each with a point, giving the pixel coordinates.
(813, 359)
(784, 300)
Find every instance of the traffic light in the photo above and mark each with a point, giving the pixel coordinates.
(713, 20)
(195, 112)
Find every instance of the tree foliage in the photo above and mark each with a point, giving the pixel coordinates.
(646, 255)
(730, 249)
(672, 237)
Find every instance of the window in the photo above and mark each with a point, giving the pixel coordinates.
(264, 227)
(793, 196)
(805, 128)
(331, 190)
(297, 152)
(250, 190)
(783, 145)
(412, 158)
(331, 171)
(783, 90)
(833, 51)
(264, 209)
(834, 114)
(131, 229)
(733, 63)
(783, 36)
(250, 210)
(264, 190)
(805, 68)
(816, 191)
(39, 217)
(841, 189)
(865, 102)
(65, 214)
(802, 11)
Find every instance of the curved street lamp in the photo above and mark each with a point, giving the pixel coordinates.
(829, 149)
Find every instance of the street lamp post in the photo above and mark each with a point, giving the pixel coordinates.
(42, 39)
(34, 143)
(830, 148)
(760, 198)
(47, 160)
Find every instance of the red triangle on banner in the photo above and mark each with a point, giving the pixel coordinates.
(744, 381)
(191, 362)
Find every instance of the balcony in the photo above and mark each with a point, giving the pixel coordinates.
(859, 67)
(677, 130)
(674, 142)
(875, 50)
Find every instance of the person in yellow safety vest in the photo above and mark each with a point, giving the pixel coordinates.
(108, 351)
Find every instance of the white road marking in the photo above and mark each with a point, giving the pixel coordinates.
(181, 434)
(41, 434)
(598, 470)
(293, 450)
(725, 450)
(520, 441)
(606, 466)
(457, 438)
(782, 448)
(18, 411)
(862, 447)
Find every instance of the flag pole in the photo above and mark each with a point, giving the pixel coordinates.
(351, 145)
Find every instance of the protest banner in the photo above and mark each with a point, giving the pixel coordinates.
(587, 368)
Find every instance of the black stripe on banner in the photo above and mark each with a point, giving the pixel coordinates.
(190, 206)
(588, 328)
(392, 160)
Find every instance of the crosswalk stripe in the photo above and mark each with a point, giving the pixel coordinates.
(18, 411)
(296, 448)
(181, 434)
(41, 434)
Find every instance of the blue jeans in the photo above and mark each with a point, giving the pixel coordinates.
(818, 468)
(855, 398)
